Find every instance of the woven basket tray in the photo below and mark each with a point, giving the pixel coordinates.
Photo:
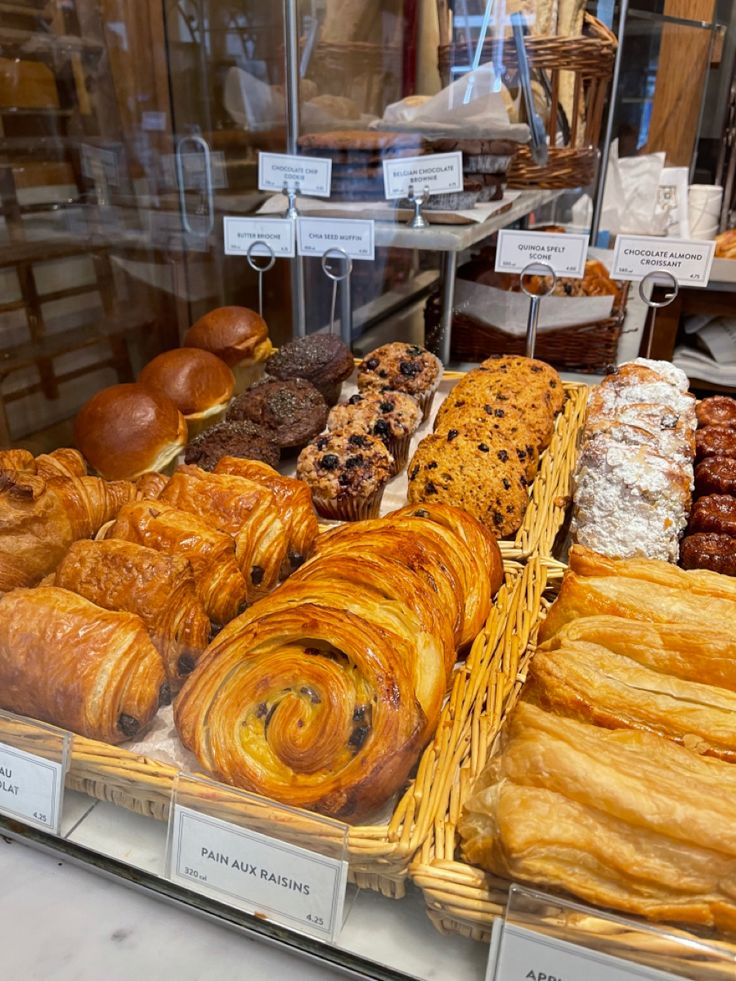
(462, 899)
(379, 854)
(586, 347)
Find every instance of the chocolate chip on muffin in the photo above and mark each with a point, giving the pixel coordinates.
(405, 368)
(321, 359)
(392, 416)
(291, 412)
(240, 439)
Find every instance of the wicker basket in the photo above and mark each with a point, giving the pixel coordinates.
(585, 347)
(590, 58)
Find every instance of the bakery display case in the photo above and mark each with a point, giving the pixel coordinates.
(383, 643)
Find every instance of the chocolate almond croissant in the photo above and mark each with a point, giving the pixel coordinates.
(243, 509)
(310, 706)
(119, 575)
(210, 553)
(66, 661)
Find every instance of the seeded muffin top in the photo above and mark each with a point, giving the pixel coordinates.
(322, 359)
(291, 412)
(340, 465)
(240, 439)
(384, 414)
(400, 367)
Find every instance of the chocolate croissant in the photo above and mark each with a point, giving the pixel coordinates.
(66, 661)
(294, 500)
(310, 706)
(244, 510)
(119, 575)
(210, 553)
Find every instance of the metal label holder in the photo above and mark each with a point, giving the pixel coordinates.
(291, 192)
(418, 201)
(532, 323)
(270, 262)
(343, 276)
(655, 278)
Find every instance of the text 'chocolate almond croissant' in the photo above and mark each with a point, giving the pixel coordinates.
(65, 661)
(323, 694)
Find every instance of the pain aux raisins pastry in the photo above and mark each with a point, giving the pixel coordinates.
(402, 368)
(347, 474)
(392, 416)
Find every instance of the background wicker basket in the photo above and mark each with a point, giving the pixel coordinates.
(585, 347)
(590, 59)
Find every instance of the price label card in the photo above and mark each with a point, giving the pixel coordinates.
(566, 254)
(31, 788)
(524, 955)
(240, 233)
(266, 876)
(355, 237)
(688, 261)
(442, 173)
(312, 174)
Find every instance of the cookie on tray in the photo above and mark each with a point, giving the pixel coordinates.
(510, 412)
(487, 482)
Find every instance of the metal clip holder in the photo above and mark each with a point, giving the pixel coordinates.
(341, 276)
(532, 323)
(658, 277)
(291, 193)
(417, 201)
(270, 261)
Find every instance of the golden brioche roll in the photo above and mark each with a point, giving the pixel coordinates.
(68, 662)
(125, 430)
(238, 336)
(198, 383)
(309, 706)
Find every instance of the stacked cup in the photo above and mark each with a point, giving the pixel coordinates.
(704, 210)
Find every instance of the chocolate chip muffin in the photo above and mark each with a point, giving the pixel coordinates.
(291, 412)
(392, 416)
(405, 368)
(487, 482)
(347, 474)
(239, 439)
(321, 359)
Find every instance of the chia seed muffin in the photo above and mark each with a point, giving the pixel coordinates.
(347, 474)
(321, 359)
(291, 412)
(392, 416)
(405, 368)
(239, 439)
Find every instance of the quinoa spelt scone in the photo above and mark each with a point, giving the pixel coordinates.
(392, 416)
(536, 377)
(346, 473)
(402, 367)
(487, 482)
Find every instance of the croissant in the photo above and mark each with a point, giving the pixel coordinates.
(149, 485)
(608, 816)
(119, 575)
(40, 518)
(64, 462)
(13, 460)
(65, 661)
(588, 682)
(244, 510)
(310, 706)
(294, 501)
(211, 553)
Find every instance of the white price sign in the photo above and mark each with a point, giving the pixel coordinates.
(354, 236)
(523, 955)
(281, 881)
(635, 256)
(442, 173)
(566, 254)
(312, 174)
(239, 234)
(31, 788)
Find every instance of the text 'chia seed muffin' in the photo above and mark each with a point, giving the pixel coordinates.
(238, 439)
(321, 359)
(392, 416)
(347, 474)
(291, 412)
(405, 368)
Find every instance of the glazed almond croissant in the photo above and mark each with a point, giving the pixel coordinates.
(294, 501)
(66, 661)
(622, 819)
(119, 575)
(40, 517)
(310, 706)
(211, 553)
(244, 510)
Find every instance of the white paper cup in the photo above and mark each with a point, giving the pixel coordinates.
(703, 234)
(704, 207)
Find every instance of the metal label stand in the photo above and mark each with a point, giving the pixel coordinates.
(343, 276)
(532, 323)
(658, 277)
(270, 262)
